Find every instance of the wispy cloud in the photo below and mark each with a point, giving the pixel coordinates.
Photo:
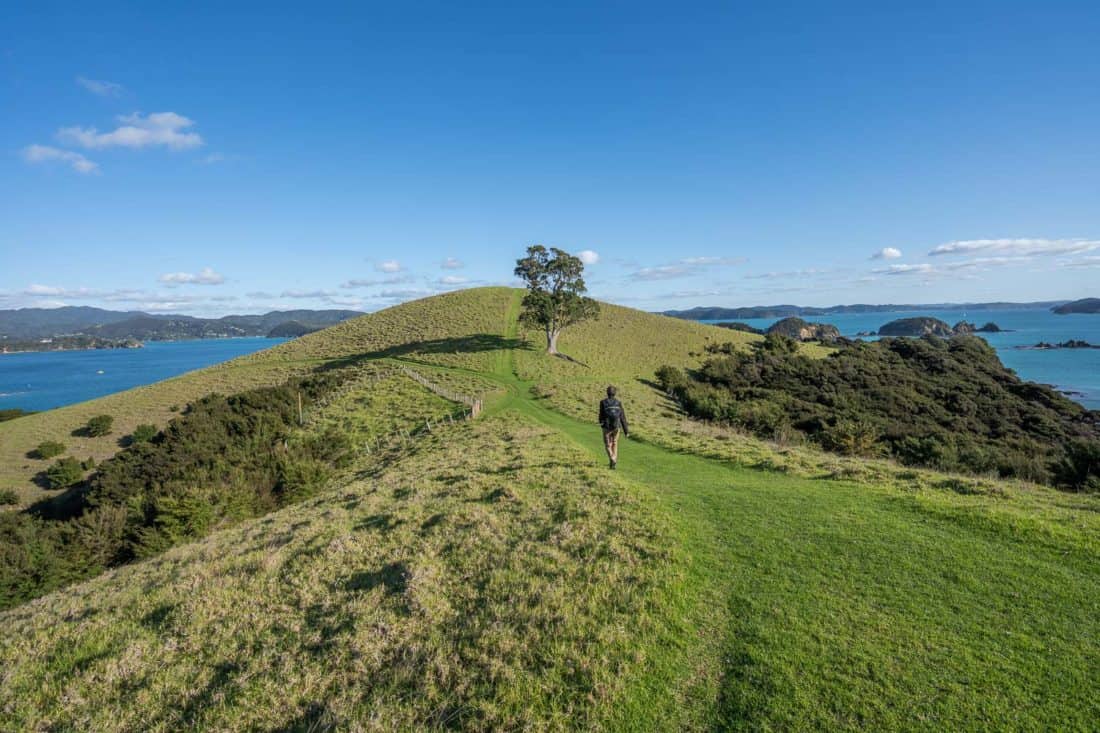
(368, 282)
(304, 294)
(206, 276)
(1083, 262)
(99, 87)
(166, 129)
(388, 266)
(1016, 247)
(452, 263)
(712, 261)
(45, 153)
(887, 253)
(663, 272)
(588, 256)
(921, 269)
(453, 280)
(811, 272)
(685, 267)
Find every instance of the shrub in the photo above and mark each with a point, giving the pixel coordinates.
(143, 433)
(64, 473)
(99, 426)
(88, 463)
(49, 449)
(8, 497)
(949, 404)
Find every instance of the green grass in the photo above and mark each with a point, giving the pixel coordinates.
(497, 576)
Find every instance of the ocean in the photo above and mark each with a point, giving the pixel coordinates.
(1074, 371)
(47, 379)
(43, 380)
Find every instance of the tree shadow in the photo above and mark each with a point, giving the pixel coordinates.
(69, 504)
(472, 344)
(393, 577)
(571, 360)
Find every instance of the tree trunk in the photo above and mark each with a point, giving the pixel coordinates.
(552, 341)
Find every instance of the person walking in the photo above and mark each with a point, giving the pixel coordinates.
(612, 420)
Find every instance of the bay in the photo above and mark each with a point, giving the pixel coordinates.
(47, 379)
(1074, 371)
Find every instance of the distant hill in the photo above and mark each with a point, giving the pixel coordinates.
(1085, 305)
(715, 313)
(39, 323)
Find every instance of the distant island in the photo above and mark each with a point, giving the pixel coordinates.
(81, 327)
(1071, 344)
(66, 343)
(1085, 305)
(713, 313)
(928, 326)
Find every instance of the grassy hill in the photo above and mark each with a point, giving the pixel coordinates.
(494, 575)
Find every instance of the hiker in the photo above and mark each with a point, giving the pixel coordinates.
(612, 420)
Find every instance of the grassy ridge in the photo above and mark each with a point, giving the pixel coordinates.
(425, 330)
(499, 577)
(488, 581)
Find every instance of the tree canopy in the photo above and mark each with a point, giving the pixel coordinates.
(555, 292)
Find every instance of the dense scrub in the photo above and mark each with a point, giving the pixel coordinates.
(946, 404)
(227, 458)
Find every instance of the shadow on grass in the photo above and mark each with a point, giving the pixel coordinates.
(393, 577)
(472, 344)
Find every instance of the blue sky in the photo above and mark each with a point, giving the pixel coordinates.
(205, 160)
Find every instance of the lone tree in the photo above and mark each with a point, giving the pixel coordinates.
(555, 292)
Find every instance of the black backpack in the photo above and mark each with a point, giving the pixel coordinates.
(612, 414)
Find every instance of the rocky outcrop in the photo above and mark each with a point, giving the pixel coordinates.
(801, 330)
(963, 328)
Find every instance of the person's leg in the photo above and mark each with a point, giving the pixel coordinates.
(607, 445)
(613, 447)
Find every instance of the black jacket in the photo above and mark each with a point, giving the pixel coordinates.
(613, 416)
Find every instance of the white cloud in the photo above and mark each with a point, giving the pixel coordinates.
(588, 257)
(44, 153)
(812, 272)
(663, 272)
(452, 264)
(712, 261)
(388, 266)
(374, 282)
(1083, 262)
(922, 269)
(206, 276)
(99, 87)
(308, 294)
(887, 253)
(1016, 246)
(453, 280)
(166, 129)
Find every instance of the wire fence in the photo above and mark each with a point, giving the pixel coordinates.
(402, 436)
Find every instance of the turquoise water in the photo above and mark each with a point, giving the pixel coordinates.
(1076, 371)
(43, 380)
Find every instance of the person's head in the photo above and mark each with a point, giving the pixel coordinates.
(611, 391)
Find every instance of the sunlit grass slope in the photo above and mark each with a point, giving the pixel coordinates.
(496, 576)
(491, 580)
(458, 329)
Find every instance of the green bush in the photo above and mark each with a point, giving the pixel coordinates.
(143, 433)
(99, 426)
(49, 449)
(64, 473)
(8, 497)
(943, 403)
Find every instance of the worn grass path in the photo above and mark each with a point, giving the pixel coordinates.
(828, 605)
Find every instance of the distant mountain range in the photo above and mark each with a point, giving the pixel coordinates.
(703, 313)
(41, 323)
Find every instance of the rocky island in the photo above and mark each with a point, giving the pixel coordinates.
(1071, 344)
(800, 330)
(928, 326)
